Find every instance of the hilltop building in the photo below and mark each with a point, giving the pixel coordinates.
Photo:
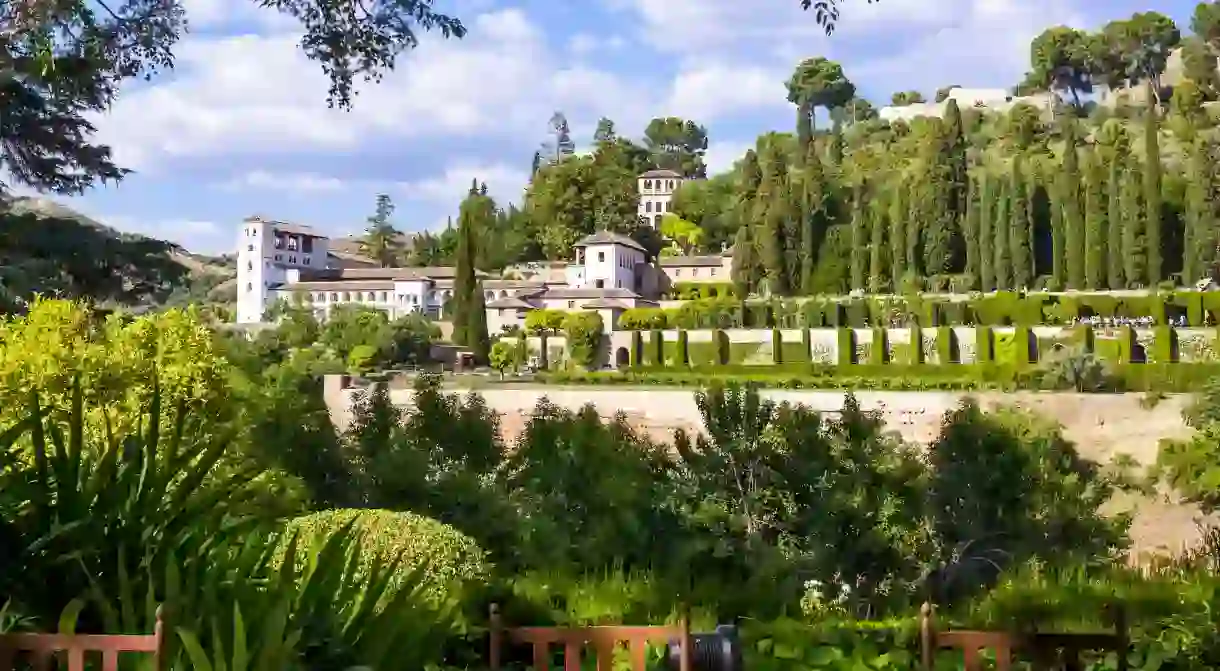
(609, 273)
(992, 100)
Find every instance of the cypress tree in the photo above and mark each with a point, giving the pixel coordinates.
(1095, 237)
(923, 198)
(858, 244)
(1001, 252)
(1019, 228)
(1072, 236)
(816, 205)
(1056, 224)
(899, 212)
(1116, 276)
(1130, 205)
(744, 271)
(470, 310)
(970, 234)
(876, 247)
(1152, 191)
(770, 213)
(1202, 212)
(986, 246)
(959, 196)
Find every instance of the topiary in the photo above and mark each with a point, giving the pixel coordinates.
(454, 562)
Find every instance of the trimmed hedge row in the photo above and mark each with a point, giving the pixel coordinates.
(1161, 378)
(685, 291)
(1003, 308)
(1018, 349)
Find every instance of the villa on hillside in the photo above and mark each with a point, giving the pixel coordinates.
(608, 273)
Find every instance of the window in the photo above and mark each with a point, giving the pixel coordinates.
(648, 206)
(371, 296)
(249, 286)
(677, 272)
(307, 245)
(600, 284)
(292, 259)
(347, 296)
(647, 184)
(306, 260)
(334, 297)
(294, 243)
(279, 242)
(249, 248)
(601, 257)
(571, 305)
(670, 184)
(385, 296)
(618, 284)
(279, 257)
(657, 220)
(250, 266)
(694, 272)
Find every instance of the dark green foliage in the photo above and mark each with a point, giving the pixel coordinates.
(946, 346)
(777, 346)
(1096, 223)
(721, 341)
(469, 311)
(1152, 192)
(1020, 231)
(986, 233)
(656, 348)
(1072, 246)
(583, 333)
(984, 344)
(915, 354)
(637, 348)
(1164, 345)
(806, 344)
(845, 346)
(1002, 247)
(879, 349)
(683, 354)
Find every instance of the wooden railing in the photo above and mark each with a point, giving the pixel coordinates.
(43, 650)
(603, 639)
(1047, 651)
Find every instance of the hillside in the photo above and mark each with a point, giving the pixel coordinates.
(51, 249)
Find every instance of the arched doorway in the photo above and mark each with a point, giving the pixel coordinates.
(622, 358)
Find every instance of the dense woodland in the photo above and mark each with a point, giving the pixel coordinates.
(1057, 197)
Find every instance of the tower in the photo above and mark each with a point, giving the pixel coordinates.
(656, 188)
(266, 250)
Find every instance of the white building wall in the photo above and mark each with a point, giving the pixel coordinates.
(656, 196)
(262, 265)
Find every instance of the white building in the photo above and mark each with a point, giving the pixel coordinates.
(266, 252)
(656, 189)
(992, 100)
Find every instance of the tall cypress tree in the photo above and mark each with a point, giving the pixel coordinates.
(899, 213)
(1152, 191)
(970, 234)
(1001, 226)
(1095, 235)
(816, 205)
(771, 215)
(986, 247)
(859, 248)
(877, 223)
(1116, 269)
(958, 177)
(1131, 208)
(1073, 220)
(1019, 228)
(470, 310)
(745, 270)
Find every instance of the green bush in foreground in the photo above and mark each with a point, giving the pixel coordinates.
(453, 560)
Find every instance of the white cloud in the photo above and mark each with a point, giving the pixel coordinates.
(303, 182)
(253, 94)
(584, 44)
(503, 181)
(715, 90)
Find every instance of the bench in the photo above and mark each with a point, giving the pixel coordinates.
(603, 639)
(43, 649)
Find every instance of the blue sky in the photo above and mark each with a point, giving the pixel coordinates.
(241, 127)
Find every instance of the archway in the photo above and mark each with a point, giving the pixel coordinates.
(622, 358)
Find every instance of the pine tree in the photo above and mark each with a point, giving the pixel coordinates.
(1131, 208)
(1095, 234)
(1019, 228)
(986, 236)
(1002, 227)
(970, 234)
(1072, 251)
(858, 244)
(1152, 192)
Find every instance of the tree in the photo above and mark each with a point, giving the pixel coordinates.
(1071, 239)
(1020, 230)
(677, 144)
(1136, 50)
(1096, 221)
(684, 235)
(503, 355)
(817, 82)
(1062, 61)
(1152, 192)
(560, 146)
(904, 98)
(470, 312)
(604, 132)
(381, 241)
(69, 61)
(826, 12)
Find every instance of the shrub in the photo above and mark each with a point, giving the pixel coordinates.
(1164, 344)
(777, 346)
(845, 349)
(1126, 344)
(879, 350)
(915, 346)
(584, 332)
(451, 560)
(360, 359)
(984, 344)
(721, 340)
(806, 345)
(642, 319)
(683, 354)
(656, 348)
(946, 346)
(637, 348)
(1024, 346)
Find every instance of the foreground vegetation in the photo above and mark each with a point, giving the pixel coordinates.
(150, 461)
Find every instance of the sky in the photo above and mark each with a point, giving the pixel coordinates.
(241, 126)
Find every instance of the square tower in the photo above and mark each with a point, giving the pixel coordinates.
(266, 251)
(656, 188)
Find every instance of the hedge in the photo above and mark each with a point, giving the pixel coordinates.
(453, 560)
(1161, 378)
(683, 357)
(777, 346)
(879, 349)
(845, 347)
(656, 349)
(1002, 308)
